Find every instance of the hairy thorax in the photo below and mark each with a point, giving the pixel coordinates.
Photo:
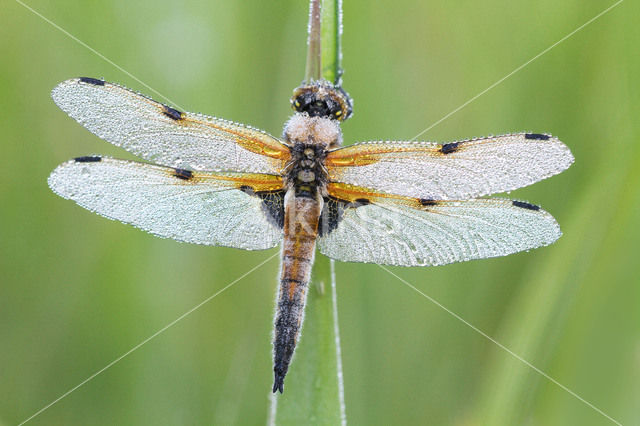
(309, 139)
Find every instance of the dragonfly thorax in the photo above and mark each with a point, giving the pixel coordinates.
(306, 172)
(322, 131)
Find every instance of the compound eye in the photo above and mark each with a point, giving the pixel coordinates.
(299, 102)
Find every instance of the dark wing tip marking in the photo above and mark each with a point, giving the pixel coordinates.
(524, 205)
(88, 159)
(448, 148)
(537, 136)
(428, 202)
(93, 81)
(172, 113)
(183, 174)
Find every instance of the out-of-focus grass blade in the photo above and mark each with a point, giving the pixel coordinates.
(538, 318)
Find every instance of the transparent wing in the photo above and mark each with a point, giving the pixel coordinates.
(201, 208)
(163, 135)
(405, 232)
(457, 170)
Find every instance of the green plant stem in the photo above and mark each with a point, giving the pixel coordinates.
(331, 51)
(324, 50)
(314, 392)
(313, 70)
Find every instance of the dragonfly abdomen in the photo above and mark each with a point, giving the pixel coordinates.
(298, 248)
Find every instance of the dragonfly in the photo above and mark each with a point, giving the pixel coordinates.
(210, 181)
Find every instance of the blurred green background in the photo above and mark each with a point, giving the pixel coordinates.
(77, 290)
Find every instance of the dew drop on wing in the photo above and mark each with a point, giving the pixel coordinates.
(388, 228)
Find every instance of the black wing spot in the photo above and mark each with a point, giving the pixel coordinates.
(428, 202)
(448, 148)
(88, 159)
(173, 114)
(359, 202)
(333, 211)
(537, 136)
(247, 190)
(331, 215)
(524, 205)
(183, 174)
(93, 81)
(272, 206)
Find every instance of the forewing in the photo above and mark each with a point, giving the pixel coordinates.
(163, 135)
(196, 207)
(408, 232)
(457, 170)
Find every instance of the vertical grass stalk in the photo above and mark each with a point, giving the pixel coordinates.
(315, 389)
(313, 71)
(324, 49)
(315, 392)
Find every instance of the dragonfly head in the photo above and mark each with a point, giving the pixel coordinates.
(322, 99)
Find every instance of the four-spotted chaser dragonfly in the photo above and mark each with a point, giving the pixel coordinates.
(219, 183)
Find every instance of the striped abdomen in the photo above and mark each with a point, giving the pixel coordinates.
(301, 216)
